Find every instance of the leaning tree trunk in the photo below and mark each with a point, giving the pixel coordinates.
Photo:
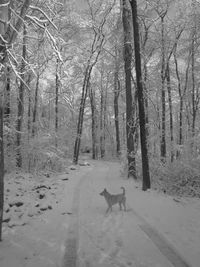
(21, 102)
(81, 113)
(96, 50)
(126, 18)
(141, 103)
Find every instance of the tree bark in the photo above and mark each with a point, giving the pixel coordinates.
(170, 112)
(95, 52)
(56, 102)
(94, 123)
(163, 116)
(34, 126)
(102, 129)
(21, 102)
(81, 113)
(7, 96)
(116, 106)
(1, 165)
(181, 93)
(142, 118)
(126, 19)
(29, 109)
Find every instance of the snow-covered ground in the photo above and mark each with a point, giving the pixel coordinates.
(44, 215)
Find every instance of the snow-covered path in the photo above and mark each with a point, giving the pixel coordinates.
(156, 231)
(131, 238)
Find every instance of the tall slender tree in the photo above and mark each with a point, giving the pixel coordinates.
(94, 122)
(143, 136)
(126, 19)
(1, 164)
(57, 83)
(116, 100)
(21, 101)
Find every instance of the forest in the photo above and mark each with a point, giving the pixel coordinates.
(117, 79)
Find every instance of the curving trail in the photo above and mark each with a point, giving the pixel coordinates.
(120, 238)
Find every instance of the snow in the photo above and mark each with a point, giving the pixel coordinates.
(48, 217)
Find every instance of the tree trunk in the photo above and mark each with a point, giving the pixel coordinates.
(34, 126)
(102, 129)
(29, 120)
(181, 99)
(105, 118)
(170, 112)
(21, 102)
(141, 104)
(126, 18)
(8, 140)
(7, 96)
(95, 52)
(146, 98)
(163, 116)
(116, 106)
(195, 89)
(81, 113)
(195, 94)
(1, 165)
(56, 102)
(94, 124)
(29, 109)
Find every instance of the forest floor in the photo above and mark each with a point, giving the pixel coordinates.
(59, 220)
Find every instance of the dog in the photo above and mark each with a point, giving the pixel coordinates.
(114, 199)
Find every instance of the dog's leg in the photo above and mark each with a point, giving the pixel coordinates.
(124, 204)
(120, 205)
(107, 209)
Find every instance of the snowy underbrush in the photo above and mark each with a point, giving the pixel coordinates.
(181, 178)
(43, 155)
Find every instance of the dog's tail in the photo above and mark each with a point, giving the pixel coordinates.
(123, 190)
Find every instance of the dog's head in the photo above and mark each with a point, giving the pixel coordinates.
(104, 192)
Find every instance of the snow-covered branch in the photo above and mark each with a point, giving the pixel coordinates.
(44, 14)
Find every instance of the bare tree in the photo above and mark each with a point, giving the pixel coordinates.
(95, 51)
(116, 99)
(143, 136)
(103, 96)
(57, 83)
(21, 101)
(171, 123)
(7, 38)
(94, 122)
(126, 19)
